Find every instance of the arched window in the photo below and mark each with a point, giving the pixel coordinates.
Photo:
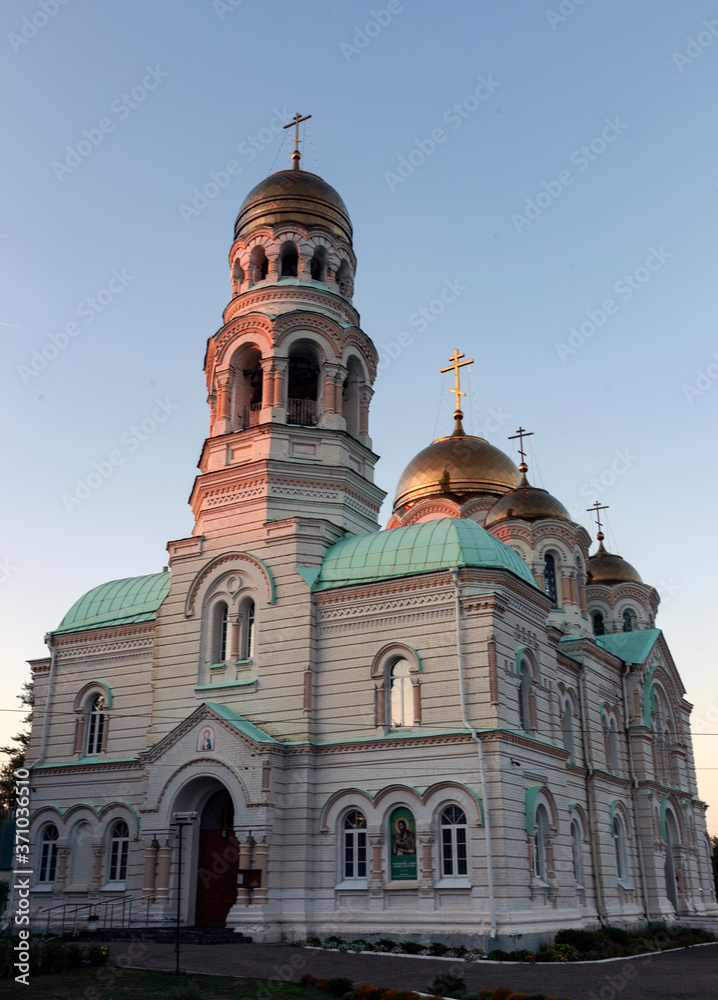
(288, 260)
(577, 852)
(96, 725)
(610, 738)
(249, 611)
(220, 633)
(354, 845)
(258, 265)
(525, 713)
(567, 727)
(549, 579)
(48, 857)
(619, 847)
(539, 840)
(351, 396)
(119, 849)
(302, 387)
(599, 627)
(344, 280)
(629, 620)
(318, 265)
(402, 695)
(454, 859)
(237, 277)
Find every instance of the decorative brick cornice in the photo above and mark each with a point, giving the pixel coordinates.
(127, 641)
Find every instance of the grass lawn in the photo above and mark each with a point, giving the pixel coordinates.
(130, 984)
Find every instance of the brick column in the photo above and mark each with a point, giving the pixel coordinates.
(164, 864)
(365, 394)
(149, 876)
(224, 398)
(245, 862)
(376, 878)
(261, 858)
(280, 368)
(97, 869)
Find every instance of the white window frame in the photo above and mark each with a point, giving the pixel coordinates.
(118, 858)
(49, 857)
(457, 831)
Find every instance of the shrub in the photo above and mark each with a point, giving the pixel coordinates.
(447, 984)
(497, 955)
(522, 955)
(411, 948)
(359, 944)
(332, 941)
(53, 956)
(461, 951)
(582, 940)
(400, 995)
(386, 944)
(437, 948)
(97, 955)
(366, 991)
(558, 953)
(307, 979)
(473, 954)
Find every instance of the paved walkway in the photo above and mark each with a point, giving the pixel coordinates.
(689, 974)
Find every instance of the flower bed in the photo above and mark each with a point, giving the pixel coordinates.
(50, 955)
(568, 946)
(445, 985)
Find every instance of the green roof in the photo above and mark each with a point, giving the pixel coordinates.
(631, 647)
(240, 723)
(419, 548)
(120, 602)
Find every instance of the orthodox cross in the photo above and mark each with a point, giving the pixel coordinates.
(455, 365)
(596, 507)
(521, 434)
(296, 155)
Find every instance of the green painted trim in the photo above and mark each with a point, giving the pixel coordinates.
(84, 761)
(217, 666)
(474, 795)
(530, 802)
(612, 813)
(127, 805)
(649, 703)
(270, 578)
(309, 574)
(239, 722)
(226, 684)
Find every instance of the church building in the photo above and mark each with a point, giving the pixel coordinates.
(461, 726)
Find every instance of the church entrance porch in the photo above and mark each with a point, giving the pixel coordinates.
(217, 862)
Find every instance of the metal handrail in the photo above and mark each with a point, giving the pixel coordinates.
(106, 906)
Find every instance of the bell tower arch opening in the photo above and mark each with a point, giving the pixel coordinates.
(303, 393)
(247, 389)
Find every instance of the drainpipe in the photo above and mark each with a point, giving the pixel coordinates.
(475, 737)
(48, 700)
(634, 793)
(591, 798)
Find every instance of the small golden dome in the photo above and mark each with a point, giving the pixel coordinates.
(456, 466)
(294, 196)
(527, 503)
(604, 567)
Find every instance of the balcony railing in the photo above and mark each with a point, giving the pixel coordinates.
(250, 417)
(302, 411)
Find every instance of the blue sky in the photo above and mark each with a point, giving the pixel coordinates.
(557, 169)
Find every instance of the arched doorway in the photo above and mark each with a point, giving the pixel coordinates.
(217, 861)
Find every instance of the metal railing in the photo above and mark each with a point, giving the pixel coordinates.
(120, 911)
(302, 411)
(250, 417)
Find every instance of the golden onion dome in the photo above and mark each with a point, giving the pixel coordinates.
(606, 568)
(454, 467)
(527, 503)
(294, 196)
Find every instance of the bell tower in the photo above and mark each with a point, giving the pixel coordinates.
(289, 373)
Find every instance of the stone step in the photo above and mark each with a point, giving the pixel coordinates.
(188, 935)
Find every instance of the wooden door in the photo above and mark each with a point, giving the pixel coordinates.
(217, 863)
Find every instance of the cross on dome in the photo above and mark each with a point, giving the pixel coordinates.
(457, 390)
(296, 155)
